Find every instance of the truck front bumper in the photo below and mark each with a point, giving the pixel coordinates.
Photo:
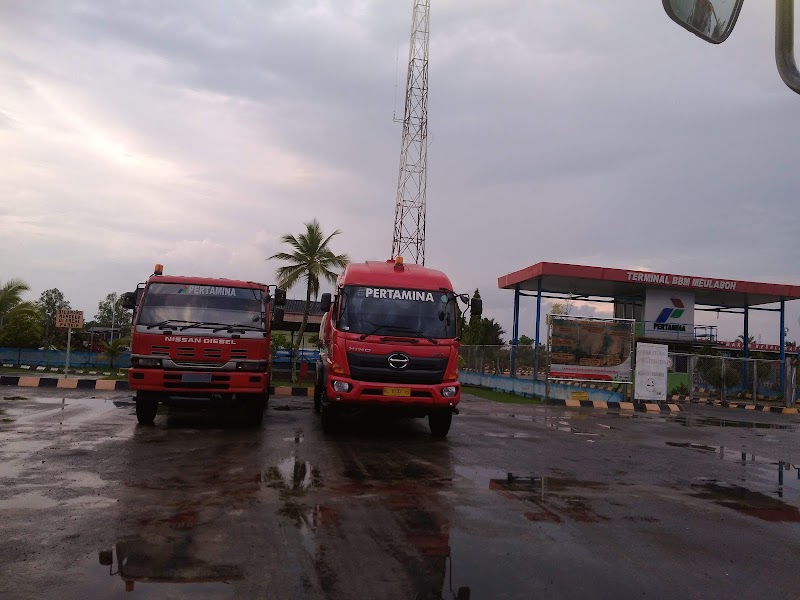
(399, 395)
(198, 382)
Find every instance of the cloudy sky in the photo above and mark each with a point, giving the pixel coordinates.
(195, 133)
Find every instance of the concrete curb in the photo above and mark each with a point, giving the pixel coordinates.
(112, 385)
(60, 382)
(651, 407)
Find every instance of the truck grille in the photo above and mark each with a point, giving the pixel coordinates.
(375, 367)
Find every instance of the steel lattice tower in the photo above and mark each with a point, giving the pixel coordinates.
(409, 213)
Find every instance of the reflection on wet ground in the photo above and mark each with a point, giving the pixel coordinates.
(691, 420)
(554, 499)
(190, 508)
(747, 502)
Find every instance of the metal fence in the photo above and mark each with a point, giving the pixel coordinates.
(729, 378)
(714, 377)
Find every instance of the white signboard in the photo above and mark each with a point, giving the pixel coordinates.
(669, 315)
(72, 319)
(652, 364)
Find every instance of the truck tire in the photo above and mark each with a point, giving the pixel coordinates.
(330, 416)
(146, 409)
(439, 422)
(317, 397)
(253, 407)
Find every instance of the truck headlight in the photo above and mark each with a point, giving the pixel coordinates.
(449, 391)
(146, 362)
(341, 386)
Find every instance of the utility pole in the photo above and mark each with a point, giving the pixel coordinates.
(409, 214)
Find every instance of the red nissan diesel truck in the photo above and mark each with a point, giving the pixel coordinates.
(198, 340)
(390, 343)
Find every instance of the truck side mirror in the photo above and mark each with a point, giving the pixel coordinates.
(325, 302)
(710, 20)
(784, 44)
(280, 296)
(129, 300)
(277, 316)
(476, 307)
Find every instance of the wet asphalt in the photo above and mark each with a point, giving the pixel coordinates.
(518, 502)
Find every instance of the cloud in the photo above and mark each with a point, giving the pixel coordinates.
(197, 133)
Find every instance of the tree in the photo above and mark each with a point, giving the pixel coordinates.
(113, 350)
(310, 260)
(750, 339)
(12, 307)
(50, 302)
(22, 330)
(278, 340)
(561, 308)
(110, 313)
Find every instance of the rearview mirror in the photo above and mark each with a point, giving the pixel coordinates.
(476, 307)
(711, 20)
(280, 296)
(325, 302)
(277, 316)
(129, 300)
(784, 44)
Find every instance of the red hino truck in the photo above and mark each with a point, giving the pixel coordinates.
(390, 342)
(201, 340)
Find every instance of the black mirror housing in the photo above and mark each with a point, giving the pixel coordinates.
(277, 316)
(702, 19)
(476, 307)
(325, 302)
(129, 300)
(280, 297)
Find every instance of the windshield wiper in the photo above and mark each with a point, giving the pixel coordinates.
(232, 328)
(203, 325)
(167, 323)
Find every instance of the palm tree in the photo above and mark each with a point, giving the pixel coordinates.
(11, 303)
(310, 259)
(114, 349)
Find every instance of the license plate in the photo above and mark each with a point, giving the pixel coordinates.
(395, 391)
(196, 378)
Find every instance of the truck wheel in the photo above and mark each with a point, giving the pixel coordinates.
(317, 397)
(439, 422)
(330, 418)
(146, 408)
(253, 410)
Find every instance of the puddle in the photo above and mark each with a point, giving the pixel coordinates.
(292, 474)
(780, 476)
(165, 569)
(689, 420)
(551, 499)
(745, 501)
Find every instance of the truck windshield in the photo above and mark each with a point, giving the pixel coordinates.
(196, 305)
(399, 312)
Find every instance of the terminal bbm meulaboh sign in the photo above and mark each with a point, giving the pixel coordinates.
(669, 315)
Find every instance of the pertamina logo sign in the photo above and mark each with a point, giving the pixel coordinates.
(674, 312)
(669, 314)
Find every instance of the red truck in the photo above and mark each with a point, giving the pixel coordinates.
(201, 340)
(390, 342)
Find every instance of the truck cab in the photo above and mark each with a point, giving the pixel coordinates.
(390, 344)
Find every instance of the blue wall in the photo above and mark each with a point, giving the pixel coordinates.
(530, 388)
